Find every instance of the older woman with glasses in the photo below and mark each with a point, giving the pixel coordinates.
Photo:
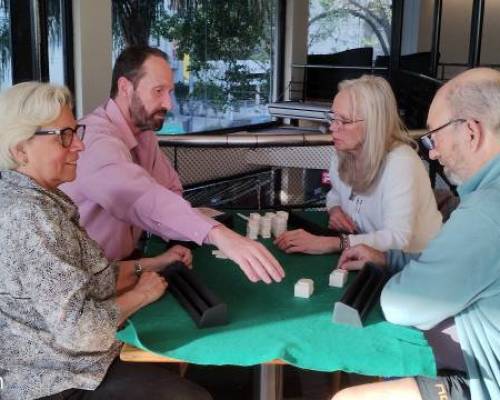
(61, 301)
(381, 194)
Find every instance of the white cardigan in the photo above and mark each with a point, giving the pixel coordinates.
(400, 210)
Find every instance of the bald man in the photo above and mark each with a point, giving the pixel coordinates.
(452, 289)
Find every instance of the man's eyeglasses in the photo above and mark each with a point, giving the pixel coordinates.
(332, 117)
(65, 134)
(427, 140)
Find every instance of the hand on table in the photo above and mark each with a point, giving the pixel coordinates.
(355, 257)
(150, 286)
(175, 253)
(340, 221)
(252, 257)
(300, 241)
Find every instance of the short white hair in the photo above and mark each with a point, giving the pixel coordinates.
(477, 99)
(24, 108)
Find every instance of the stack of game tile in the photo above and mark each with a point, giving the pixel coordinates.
(265, 227)
(278, 225)
(253, 226)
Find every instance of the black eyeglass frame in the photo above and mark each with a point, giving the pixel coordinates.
(66, 135)
(330, 117)
(426, 138)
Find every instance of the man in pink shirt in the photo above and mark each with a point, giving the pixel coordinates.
(125, 184)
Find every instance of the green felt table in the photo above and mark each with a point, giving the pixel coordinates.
(267, 322)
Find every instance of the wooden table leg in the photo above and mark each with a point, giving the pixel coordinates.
(271, 382)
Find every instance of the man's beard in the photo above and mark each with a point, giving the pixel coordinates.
(140, 117)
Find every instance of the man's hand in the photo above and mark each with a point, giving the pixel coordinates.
(252, 257)
(340, 221)
(300, 241)
(355, 257)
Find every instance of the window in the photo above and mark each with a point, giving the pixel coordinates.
(346, 39)
(221, 54)
(339, 25)
(5, 48)
(55, 42)
(42, 50)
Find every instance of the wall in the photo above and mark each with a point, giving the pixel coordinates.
(92, 52)
(297, 16)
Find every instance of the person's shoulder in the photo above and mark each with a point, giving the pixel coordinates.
(98, 125)
(95, 117)
(22, 207)
(403, 158)
(484, 200)
(402, 151)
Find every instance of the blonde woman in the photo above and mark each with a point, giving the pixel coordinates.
(381, 194)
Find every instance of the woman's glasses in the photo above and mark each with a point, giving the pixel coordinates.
(332, 117)
(65, 134)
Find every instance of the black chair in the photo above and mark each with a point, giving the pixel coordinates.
(320, 84)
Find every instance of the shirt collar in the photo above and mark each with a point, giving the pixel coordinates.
(490, 172)
(125, 128)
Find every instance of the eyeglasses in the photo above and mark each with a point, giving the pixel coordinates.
(65, 134)
(427, 140)
(332, 117)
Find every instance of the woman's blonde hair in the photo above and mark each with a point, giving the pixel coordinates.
(24, 108)
(373, 101)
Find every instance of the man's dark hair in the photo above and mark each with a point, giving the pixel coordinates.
(129, 65)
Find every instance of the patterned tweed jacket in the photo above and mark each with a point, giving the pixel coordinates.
(57, 314)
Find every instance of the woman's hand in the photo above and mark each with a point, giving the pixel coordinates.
(150, 287)
(355, 257)
(300, 241)
(175, 253)
(340, 221)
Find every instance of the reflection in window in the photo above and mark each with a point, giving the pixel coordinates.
(339, 25)
(55, 42)
(342, 34)
(220, 52)
(5, 48)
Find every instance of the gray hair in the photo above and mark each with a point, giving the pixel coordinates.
(24, 108)
(372, 100)
(477, 99)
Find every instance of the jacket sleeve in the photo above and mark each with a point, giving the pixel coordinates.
(457, 268)
(129, 193)
(61, 287)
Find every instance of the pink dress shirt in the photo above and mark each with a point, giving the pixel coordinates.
(125, 184)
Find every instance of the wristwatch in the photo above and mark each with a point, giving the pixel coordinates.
(344, 242)
(138, 269)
